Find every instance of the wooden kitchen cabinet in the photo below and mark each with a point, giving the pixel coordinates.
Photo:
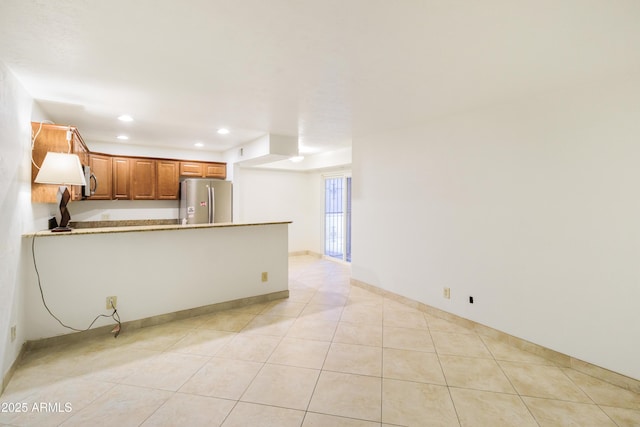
(101, 177)
(79, 148)
(215, 170)
(116, 177)
(50, 137)
(193, 169)
(121, 178)
(167, 179)
(143, 179)
(203, 170)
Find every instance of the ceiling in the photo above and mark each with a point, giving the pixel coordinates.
(326, 71)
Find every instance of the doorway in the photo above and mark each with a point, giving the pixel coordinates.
(337, 217)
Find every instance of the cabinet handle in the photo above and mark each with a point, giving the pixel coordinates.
(95, 188)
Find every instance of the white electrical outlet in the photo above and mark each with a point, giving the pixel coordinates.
(13, 333)
(446, 292)
(112, 303)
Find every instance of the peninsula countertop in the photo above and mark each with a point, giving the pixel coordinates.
(155, 271)
(143, 228)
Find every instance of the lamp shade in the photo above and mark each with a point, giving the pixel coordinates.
(61, 169)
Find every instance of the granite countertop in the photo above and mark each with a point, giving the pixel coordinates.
(119, 228)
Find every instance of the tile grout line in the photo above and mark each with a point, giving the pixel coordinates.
(315, 386)
(435, 348)
(510, 382)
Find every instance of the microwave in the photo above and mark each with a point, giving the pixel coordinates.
(87, 190)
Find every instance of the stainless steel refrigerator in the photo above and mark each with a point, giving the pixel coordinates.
(206, 201)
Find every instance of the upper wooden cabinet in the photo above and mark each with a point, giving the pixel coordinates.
(215, 170)
(101, 177)
(143, 179)
(194, 169)
(114, 177)
(203, 170)
(121, 178)
(48, 137)
(167, 179)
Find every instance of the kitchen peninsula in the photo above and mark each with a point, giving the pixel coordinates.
(155, 271)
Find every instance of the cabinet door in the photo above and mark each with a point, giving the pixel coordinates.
(191, 169)
(79, 149)
(143, 179)
(121, 178)
(100, 183)
(215, 170)
(168, 182)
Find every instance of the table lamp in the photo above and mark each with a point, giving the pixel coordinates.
(62, 169)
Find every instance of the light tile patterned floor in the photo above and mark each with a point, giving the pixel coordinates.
(330, 355)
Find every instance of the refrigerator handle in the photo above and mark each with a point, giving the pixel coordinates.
(212, 204)
(209, 204)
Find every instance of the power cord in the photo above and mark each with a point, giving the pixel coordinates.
(34, 137)
(115, 316)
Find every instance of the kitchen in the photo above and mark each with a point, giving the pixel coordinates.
(104, 226)
(262, 169)
(513, 136)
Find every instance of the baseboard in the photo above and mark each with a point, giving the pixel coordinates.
(552, 355)
(12, 369)
(317, 255)
(301, 253)
(154, 320)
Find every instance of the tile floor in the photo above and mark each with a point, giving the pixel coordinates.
(330, 355)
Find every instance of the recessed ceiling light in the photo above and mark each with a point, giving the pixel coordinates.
(223, 131)
(122, 137)
(297, 159)
(125, 118)
(199, 144)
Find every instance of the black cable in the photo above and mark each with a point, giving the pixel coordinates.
(115, 316)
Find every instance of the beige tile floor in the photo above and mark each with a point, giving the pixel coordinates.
(330, 355)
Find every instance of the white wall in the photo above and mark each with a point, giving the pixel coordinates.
(271, 195)
(16, 214)
(533, 208)
(148, 151)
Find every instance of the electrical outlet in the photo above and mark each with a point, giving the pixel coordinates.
(112, 303)
(13, 333)
(446, 292)
(265, 276)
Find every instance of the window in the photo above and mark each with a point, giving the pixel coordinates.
(337, 217)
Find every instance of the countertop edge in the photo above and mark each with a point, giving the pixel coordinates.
(145, 228)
